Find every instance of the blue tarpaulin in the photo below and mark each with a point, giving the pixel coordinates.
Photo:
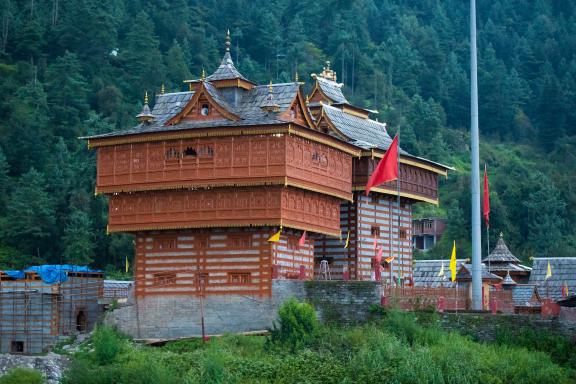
(52, 274)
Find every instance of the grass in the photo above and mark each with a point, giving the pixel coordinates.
(399, 348)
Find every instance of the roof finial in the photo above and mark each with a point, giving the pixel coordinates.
(162, 90)
(203, 77)
(270, 89)
(145, 116)
(228, 40)
(296, 77)
(501, 234)
(307, 99)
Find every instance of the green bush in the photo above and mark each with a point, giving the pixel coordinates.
(107, 344)
(22, 376)
(297, 325)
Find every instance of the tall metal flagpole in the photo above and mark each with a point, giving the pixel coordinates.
(476, 235)
(398, 201)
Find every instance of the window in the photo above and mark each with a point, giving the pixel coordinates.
(202, 279)
(402, 233)
(164, 278)
(375, 231)
(166, 243)
(190, 152)
(17, 347)
(205, 110)
(293, 244)
(239, 277)
(202, 242)
(240, 241)
(374, 199)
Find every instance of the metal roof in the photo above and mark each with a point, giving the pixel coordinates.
(563, 272)
(425, 273)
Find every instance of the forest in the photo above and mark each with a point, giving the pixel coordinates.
(79, 67)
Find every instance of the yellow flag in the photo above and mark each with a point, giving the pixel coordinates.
(275, 237)
(453, 262)
(347, 240)
(441, 269)
(127, 264)
(549, 272)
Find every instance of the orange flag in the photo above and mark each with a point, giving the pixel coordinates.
(387, 168)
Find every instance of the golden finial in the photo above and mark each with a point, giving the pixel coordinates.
(162, 90)
(270, 87)
(146, 97)
(296, 76)
(203, 75)
(501, 234)
(228, 40)
(307, 99)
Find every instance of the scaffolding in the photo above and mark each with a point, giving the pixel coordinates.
(35, 315)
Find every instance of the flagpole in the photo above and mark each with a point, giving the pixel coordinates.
(398, 199)
(475, 179)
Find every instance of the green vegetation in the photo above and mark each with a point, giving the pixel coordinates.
(400, 348)
(22, 376)
(78, 67)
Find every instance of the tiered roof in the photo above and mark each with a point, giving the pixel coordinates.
(502, 260)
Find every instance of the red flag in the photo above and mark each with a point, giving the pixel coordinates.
(379, 256)
(375, 243)
(486, 199)
(387, 168)
(302, 240)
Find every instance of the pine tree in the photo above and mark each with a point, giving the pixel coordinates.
(78, 239)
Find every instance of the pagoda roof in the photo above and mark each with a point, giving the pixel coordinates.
(332, 90)
(226, 70)
(249, 109)
(501, 253)
(465, 274)
(508, 280)
(364, 133)
(526, 295)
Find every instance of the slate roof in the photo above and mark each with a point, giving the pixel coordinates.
(248, 109)
(563, 271)
(332, 90)
(226, 70)
(169, 104)
(117, 288)
(425, 273)
(365, 133)
(508, 280)
(501, 254)
(465, 273)
(522, 295)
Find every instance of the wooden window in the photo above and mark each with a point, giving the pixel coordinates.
(239, 277)
(202, 242)
(402, 233)
(202, 279)
(166, 243)
(374, 199)
(240, 241)
(164, 278)
(375, 231)
(293, 244)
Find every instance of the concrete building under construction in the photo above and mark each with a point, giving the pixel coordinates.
(41, 305)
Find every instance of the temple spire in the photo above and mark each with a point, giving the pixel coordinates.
(145, 116)
(228, 40)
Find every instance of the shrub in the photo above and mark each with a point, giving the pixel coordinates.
(107, 344)
(297, 325)
(22, 376)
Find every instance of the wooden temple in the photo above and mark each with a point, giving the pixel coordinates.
(208, 175)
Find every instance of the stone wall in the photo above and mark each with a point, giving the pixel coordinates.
(485, 326)
(170, 317)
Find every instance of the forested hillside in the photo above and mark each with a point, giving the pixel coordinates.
(70, 68)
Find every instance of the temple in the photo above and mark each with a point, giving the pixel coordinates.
(208, 175)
